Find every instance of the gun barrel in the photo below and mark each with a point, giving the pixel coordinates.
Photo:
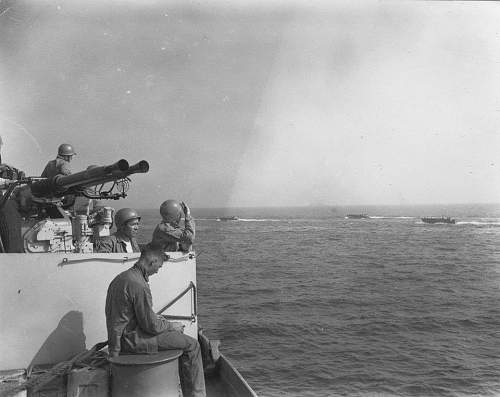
(91, 173)
(92, 176)
(140, 167)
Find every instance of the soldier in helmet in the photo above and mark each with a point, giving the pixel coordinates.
(60, 165)
(125, 239)
(169, 234)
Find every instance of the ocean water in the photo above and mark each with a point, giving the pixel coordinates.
(309, 303)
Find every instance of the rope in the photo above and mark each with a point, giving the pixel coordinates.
(37, 381)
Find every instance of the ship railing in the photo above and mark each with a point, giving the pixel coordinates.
(194, 305)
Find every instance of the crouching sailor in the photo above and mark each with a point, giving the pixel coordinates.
(133, 326)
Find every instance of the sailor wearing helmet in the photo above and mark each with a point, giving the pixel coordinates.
(169, 234)
(60, 166)
(125, 239)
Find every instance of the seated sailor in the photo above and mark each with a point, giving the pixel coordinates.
(125, 238)
(169, 234)
(133, 326)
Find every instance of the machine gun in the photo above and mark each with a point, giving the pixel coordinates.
(58, 214)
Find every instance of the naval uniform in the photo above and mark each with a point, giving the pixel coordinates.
(116, 243)
(172, 237)
(133, 327)
(59, 166)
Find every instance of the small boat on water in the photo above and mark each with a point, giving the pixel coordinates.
(53, 292)
(441, 219)
(357, 216)
(228, 218)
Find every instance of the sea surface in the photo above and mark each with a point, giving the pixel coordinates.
(309, 303)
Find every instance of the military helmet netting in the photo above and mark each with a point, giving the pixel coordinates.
(124, 215)
(171, 211)
(66, 150)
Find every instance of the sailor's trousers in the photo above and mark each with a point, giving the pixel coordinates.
(191, 365)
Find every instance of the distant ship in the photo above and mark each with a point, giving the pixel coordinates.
(357, 216)
(228, 218)
(435, 219)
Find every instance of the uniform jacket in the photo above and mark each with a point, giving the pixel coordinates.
(172, 237)
(115, 243)
(131, 322)
(56, 167)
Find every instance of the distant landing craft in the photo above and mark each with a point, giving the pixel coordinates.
(228, 218)
(435, 219)
(357, 216)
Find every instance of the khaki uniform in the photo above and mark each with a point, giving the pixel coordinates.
(115, 243)
(131, 322)
(55, 167)
(175, 238)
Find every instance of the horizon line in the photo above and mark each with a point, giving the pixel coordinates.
(335, 205)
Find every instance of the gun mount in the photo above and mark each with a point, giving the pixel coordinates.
(78, 183)
(59, 214)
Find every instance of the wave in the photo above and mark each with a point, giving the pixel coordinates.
(391, 217)
(479, 223)
(323, 278)
(259, 220)
(244, 220)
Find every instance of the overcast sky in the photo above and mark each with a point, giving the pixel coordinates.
(260, 103)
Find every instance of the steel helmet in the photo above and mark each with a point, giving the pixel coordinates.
(171, 211)
(65, 150)
(124, 215)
